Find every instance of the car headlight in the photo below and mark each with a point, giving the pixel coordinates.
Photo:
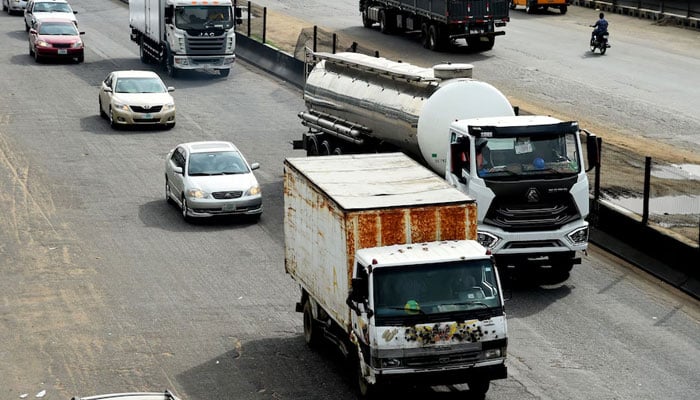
(391, 362)
(42, 43)
(486, 239)
(77, 44)
(169, 106)
(197, 194)
(120, 106)
(253, 191)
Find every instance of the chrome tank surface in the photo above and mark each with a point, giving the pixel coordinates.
(408, 106)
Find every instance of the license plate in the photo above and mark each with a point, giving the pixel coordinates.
(147, 116)
(62, 51)
(229, 207)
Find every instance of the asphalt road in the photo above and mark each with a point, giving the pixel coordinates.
(104, 288)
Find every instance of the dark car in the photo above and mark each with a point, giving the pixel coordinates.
(56, 38)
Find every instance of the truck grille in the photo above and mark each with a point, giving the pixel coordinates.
(442, 359)
(206, 45)
(526, 217)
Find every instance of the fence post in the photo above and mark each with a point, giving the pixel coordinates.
(250, 11)
(335, 38)
(315, 36)
(647, 186)
(264, 24)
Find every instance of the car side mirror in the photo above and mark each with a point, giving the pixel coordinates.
(75, 12)
(254, 166)
(82, 33)
(171, 89)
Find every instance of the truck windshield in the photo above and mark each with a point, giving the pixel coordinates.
(435, 288)
(203, 17)
(553, 155)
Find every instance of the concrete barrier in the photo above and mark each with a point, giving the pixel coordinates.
(275, 62)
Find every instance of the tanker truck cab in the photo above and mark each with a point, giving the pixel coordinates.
(528, 177)
(428, 313)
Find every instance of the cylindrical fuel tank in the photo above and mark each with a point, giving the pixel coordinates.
(408, 106)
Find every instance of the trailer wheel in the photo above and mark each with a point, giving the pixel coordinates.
(512, 5)
(366, 22)
(311, 335)
(530, 9)
(434, 43)
(326, 147)
(385, 25)
(312, 146)
(479, 387)
(424, 40)
(563, 9)
(338, 151)
(170, 65)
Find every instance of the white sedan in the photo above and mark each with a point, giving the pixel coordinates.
(212, 178)
(136, 98)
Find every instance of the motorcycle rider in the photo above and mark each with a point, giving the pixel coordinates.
(600, 26)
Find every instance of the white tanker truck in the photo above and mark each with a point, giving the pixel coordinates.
(532, 202)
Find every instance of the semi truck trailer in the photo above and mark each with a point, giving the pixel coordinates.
(362, 104)
(185, 34)
(440, 22)
(383, 252)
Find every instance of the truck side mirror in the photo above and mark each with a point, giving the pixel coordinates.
(592, 150)
(168, 16)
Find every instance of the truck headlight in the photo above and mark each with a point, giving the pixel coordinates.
(391, 362)
(494, 353)
(486, 239)
(579, 236)
(197, 194)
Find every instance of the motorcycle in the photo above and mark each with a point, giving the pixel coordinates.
(600, 41)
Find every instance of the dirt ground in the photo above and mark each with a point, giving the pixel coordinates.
(622, 157)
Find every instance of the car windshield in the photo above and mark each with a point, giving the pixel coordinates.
(139, 85)
(52, 7)
(435, 288)
(57, 29)
(217, 163)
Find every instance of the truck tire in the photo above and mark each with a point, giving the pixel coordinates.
(385, 22)
(366, 22)
(424, 40)
(434, 43)
(312, 148)
(511, 5)
(563, 9)
(479, 387)
(170, 66)
(312, 336)
(326, 148)
(529, 8)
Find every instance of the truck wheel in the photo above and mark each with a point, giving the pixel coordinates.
(311, 335)
(366, 22)
(424, 40)
(433, 38)
(479, 387)
(384, 22)
(170, 66)
(338, 151)
(325, 149)
(312, 146)
(512, 5)
(562, 10)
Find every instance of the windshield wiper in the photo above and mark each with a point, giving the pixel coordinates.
(418, 310)
(468, 303)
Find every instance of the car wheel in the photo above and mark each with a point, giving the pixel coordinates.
(183, 206)
(103, 114)
(112, 122)
(80, 59)
(170, 126)
(168, 192)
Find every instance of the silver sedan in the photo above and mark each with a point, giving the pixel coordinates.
(212, 178)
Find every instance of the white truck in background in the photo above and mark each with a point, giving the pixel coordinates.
(362, 104)
(185, 34)
(383, 252)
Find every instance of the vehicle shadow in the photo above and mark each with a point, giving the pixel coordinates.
(100, 126)
(286, 368)
(167, 216)
(19, 35)
(529, 294)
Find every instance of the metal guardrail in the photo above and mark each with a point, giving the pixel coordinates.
(683, 12)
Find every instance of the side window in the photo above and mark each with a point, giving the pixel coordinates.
(180, 161)
(108, 80)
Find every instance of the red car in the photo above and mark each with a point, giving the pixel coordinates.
(56, 38)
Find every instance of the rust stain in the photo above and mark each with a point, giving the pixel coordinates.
(453, 221)
(393, 227)
(367, 230)
(423, 225)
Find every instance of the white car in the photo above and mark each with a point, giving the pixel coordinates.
(136, 98)
(212, 178)
(166, 395)
(38, 9)
(14, 6)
